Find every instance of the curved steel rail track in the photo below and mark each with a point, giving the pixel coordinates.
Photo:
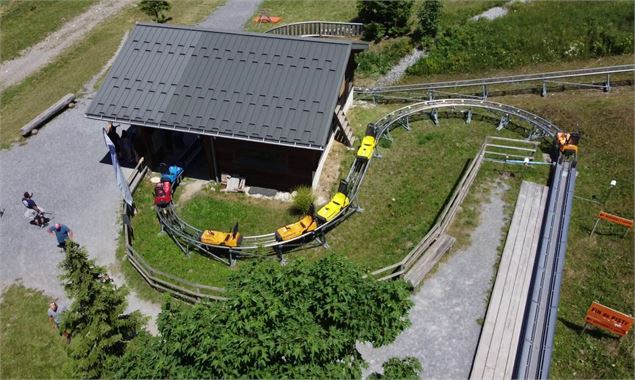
(187, 236)
(499, 80)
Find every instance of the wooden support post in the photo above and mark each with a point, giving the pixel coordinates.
(146, 137)
(210, 157)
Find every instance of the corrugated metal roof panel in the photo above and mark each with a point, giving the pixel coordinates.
(247, 85)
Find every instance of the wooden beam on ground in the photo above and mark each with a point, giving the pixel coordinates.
(47, 115)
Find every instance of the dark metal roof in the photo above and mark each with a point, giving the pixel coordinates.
(252, 86)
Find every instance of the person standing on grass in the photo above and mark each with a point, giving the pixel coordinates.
(62, 233)
(55, 318)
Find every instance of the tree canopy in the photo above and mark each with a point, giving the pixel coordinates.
(384, 18)
(96, 319)
(301, 320)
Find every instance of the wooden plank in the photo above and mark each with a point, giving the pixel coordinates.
(45, 116)
(535, 240)
(509, 342)
(485, 341)
(431, 256)
(498, 343)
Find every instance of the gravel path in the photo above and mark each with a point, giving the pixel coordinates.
(61, 166)
(34, 58)
(232, 16)
(400, 69)
(445, 327)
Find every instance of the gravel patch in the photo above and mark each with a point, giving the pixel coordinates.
(35, 57)
(232, 16)
(398, 71)
(445, 327)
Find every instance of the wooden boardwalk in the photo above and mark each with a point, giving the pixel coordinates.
(498, 343)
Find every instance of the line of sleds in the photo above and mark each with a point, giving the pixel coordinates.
(310, 225)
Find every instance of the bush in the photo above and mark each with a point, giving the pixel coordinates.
(392, 15)
(381, 61)
(303, 200)
(532, 33)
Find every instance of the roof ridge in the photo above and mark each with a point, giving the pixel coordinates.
(243, 33)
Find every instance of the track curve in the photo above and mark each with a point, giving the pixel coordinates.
(187, 236)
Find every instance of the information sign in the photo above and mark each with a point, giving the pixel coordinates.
(605, 317)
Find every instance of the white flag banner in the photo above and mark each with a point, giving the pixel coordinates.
(121, 181)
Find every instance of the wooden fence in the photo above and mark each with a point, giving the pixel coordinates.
(319, 29)
(165, 282)
(443, 222)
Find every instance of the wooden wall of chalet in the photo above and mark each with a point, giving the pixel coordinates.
(266, 165)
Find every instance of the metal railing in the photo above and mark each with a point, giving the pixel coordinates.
(177, 287)
(319, 29)
(483, 83)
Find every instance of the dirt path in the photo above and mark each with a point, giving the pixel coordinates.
(35, 57)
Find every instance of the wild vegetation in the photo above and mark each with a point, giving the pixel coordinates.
(301, 320)
(96, 319)
(532, 33)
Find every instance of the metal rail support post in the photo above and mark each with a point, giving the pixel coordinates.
(468, 116)
(321, 238)
(607, 85)
(435, 116)
(543, 92)
(485, 92)
(503, 122)
(430, 95)
(405, 123)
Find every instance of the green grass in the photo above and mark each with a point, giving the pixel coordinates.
(29, 347)
(303, 10)
(206, 210)
(560, 31)
(72, 69)
(25, 23)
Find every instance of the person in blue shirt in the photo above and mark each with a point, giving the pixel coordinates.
(62, 233)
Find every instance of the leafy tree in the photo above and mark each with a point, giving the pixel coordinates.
(407, 368)
(96, 318)
(383, 17)
(428, 16)
(301, 320)
(155, 9)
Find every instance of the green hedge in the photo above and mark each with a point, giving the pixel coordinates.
(533, 33)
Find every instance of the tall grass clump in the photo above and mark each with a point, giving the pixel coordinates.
(303, 200)
(533, 33)
(379, 62)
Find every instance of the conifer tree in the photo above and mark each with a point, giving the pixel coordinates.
(100, 329)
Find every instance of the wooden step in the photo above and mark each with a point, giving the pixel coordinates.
(344, 132)
(429, 258)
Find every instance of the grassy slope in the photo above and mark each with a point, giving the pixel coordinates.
(71, 70)
(303, 10)
(29, 347)
(25, 23)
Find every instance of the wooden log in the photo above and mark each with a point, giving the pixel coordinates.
(48, 114)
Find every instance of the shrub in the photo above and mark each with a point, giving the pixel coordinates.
(382, 60)
(407, 368)
(303, 200)
(392, 15)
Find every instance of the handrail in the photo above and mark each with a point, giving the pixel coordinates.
(174, 285)
(499, 80)
(319, 29)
